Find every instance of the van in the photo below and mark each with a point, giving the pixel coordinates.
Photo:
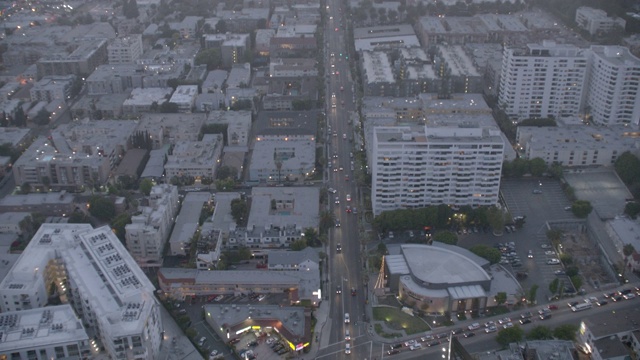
(581, 306)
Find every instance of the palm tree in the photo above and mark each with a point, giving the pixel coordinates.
(627, 251)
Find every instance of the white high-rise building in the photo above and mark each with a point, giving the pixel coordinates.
(421, 166)
(541, 81)
(613, 86)
(91, 270)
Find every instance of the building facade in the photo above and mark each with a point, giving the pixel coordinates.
(422, 166)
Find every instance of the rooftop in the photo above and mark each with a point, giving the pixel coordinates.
(37, 199)
(284, 257)
(610, 323)
(286, 123)
(292, 319)
(377, 68)
(298, 206)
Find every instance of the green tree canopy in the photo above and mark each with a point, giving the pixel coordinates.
(78, 217)
(42, 117)
(537, 166)
(628, 168)
(244, 253)
(446, 237)
(226, 172)
(298, 245)
(495, 217)
(239, 210)
(118, 225)
(501, 298)
(484, 251)
(632, 209)
(581, 208)
(540, 332)
(311, 237)
(102, 208)
(210, 57)
(566, 332)
(145, 186)
(510, 335)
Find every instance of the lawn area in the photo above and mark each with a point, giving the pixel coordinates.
(397, 320)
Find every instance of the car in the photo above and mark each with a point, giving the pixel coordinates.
(332, 190)
(573, 303)
(262, 297)
(341, 168)
(390, 236)
(553, 261)
(568, 208)
(609, 295)
(559, 272)
(433, 343)
(616, 298)
(344, 136)
(474, 326)
(552, 307)
(415, 347)
(214, 355)
(348, 197)
(545, 316)
(336, 29)
(335, 169)
(469, 334)
(355, 210)
(347, 335)
(270, 341)
(277, 347)
(337, 200)
(353, 291)
(333, 95)
(393, 352)
(530, 254)
(629, 296)
(395, 346)
(253, 343)
(346, 318)
(490, 329)
(338, 289)
(504, 320)
(218, 298)
(348, 209)
(602, 302)
(537, 191)
(427, 338)
(346, 178)
(526, 315)
(202, 341)
(443, 336)
(457, 331)
(341, 88)
(508, 325)
(410, 343)
(550, 253)
(337, 223)
(545, 246)
(525, 321)
(489, 323)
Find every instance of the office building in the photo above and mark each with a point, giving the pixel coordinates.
(421, 166)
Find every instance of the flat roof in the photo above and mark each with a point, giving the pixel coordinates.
(284, 123)
(40, 328)
(611, 323)
(37, 199)
(440, 265)
(187, 220)
(377, 67)
(299, 207)
(222, 218)
(382, 31)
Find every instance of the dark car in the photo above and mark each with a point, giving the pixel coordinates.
(393, 352)
(253, 343)
(545, 316)
(469, 334)
(433, 343)
(395, 346)
(526, 315)
(457, 331)
(602, 302)
(525, 321)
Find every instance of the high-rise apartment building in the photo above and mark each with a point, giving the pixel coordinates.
(541, 81)
(421, 166)
(600, 84)
(613, 86)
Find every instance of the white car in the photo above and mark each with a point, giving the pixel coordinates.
(549, 253)
(201, 341)
(491, 329)
(348, 197)
(553, 261)
(415, 347)
(337, 200)
(507, 325)
(332, 190)
(545, 246)
(347, 348)
(474, 326)
(629, 296)
(347, 335)
(504, 320)
(410, 343)
(346, 318)
(218, 298)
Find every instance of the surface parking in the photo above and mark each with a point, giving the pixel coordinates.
(262, 345)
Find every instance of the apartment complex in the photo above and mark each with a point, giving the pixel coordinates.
(149, 229)
(125, 50)
(596, 21)
(542, 80)
(600, 83)
(421, 166)
(94, 273)
(195, 158)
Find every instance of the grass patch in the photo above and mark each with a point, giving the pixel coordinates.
(379, 331)
(497, 310)
(396, 319)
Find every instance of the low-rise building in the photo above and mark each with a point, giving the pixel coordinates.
(377, 75)
(605, 334)
(170, 128)
(10, 222)
(596, 21)
(185, 97)
(51, 88)
(197, 159)
(186, 223)
(233, 47)
(125, 50)
(49, 203)
(145, 100)
(238, 125)
(303, 260)
(86, 57)
(284, 207)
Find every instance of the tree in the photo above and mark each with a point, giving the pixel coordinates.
(327, 221)
(540, 332)
(102, 208)
(78, 217)
(632, 209)
(532, 293)
(510, 335)
(42, 117)
(244, 253)
(226, 172)
(239, 210)
(446, 237)
(210, 57)
(311, 237)
(169, 108)
(553, 286)
(25, 188)
(496, 219)
(118, 225)
(628, 167)
(581, 208)
(19, 118)
(627, 251)
(491, 254)
(298, 245)
(501, 298)
(576, 280)
(565, 332)
(555, 236)
(145, 186)
(537, 166)
(221, 27)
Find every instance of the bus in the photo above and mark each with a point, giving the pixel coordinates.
(581, 306)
